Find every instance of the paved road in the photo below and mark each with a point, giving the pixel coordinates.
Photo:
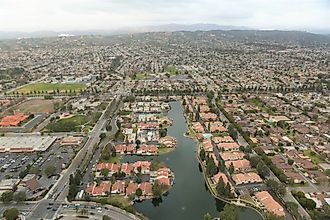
(97, 212)
(88, 176)
(60, 190)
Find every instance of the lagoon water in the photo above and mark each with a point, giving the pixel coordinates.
(189, 198)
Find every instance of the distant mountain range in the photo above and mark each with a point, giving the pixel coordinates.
(128, 30)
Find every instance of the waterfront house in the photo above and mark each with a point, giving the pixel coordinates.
(239, 165)
(228, 146)
(99, 190)
(230, 156)
(118, 187)
(246, 178)
(269, 203)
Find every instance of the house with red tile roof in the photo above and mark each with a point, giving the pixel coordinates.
(230, 156)
(147, 150)
(124, 148)
(246, 178)
(225, 139)
(13, 120)
(112, 167)
(207, 145)
(269, 203)
(239, 165)
(228, 146)
(118, 187)
(216, 178)
(126, 168)
(214, 158)
(99, 190)
(146, 188)
(163, 176)
(204, 108)
(199, 100)
(145, 166)
(208, 117)
(216, 126)
(131, 188)
(197, 127)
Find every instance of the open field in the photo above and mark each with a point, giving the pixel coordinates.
(42, 88)
(115, 200)
(38, 105)
(76, 123)
(139, 76)
(315, 157)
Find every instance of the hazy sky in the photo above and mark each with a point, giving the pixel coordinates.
(32, 15)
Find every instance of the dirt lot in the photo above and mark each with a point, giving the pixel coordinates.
(37, 105)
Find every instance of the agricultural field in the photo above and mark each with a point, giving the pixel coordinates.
(51, 88)
(38, 105)
(76, 123)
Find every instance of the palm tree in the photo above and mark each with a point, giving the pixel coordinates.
(84, 211)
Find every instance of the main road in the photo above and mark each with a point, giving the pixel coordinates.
(57, 194)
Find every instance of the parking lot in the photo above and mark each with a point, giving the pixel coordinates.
(57, 156)
(11, 164)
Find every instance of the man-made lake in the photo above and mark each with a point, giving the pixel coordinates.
(189, 198)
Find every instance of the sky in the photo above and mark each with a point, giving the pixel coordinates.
(61, 15)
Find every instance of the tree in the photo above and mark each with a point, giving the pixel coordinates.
(230, 212)
(157, 190)
(84, 211)
(271, 216)
(50, 170)
(207, 216)
(163, 132)
(105, 172)
(222, 166)
(210, 94)
(255, 160)
(231, 169)
(290, 161)
(262, 169)
(276, 187)
(103, 135)
(34, 170)
(202, 154)
(327, 172)
(105, 155)
(105, 217)
(292, 208)
(11, 214)
(221, 187)
(232, 132)
(138, 192)
(7, 196)
(211, 168)
(19, 197)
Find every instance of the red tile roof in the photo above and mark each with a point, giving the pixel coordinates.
(13, 120)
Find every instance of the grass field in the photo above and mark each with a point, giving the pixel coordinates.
(112, 159)
(316, 158)
(171, 69)
(115, 200)
(76, 123)
(139, 76)
(51, 87)
(37, 105)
